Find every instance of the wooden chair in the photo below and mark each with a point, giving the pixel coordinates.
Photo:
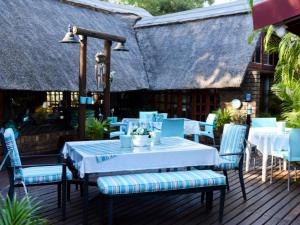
(33, 175)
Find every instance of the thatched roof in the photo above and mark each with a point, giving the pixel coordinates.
(31, 57)
(202, 48)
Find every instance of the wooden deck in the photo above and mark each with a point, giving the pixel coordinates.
(266, 204)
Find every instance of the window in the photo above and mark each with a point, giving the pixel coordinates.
(256, 56)
(74, 99)
(189, 104)
(271, 59)
(54, 98)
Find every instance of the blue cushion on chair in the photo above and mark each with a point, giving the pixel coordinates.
(42, 175)
(10, 141)
(155, 182)
(232, 142)
(226, 164)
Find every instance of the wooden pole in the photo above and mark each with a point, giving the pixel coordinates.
(82, 87)
(107, 53)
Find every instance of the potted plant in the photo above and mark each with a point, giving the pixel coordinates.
(140, 137)
(96, 129)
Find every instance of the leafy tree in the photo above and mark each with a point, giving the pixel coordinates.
(287, 73)
(160, 7)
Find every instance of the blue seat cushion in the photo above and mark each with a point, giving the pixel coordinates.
(156, 182)
(226, 164)
(116, 134)
(42, 174)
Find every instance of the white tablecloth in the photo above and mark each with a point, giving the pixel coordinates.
(190, 126)
(267, 140)
(108, 156)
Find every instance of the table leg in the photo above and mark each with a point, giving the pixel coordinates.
(248, 158)
(284, 165)
(85, 199)
(264, 167)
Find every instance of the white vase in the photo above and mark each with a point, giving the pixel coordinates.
(140, 140)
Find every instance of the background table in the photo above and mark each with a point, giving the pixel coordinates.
(266, 140)
(191, 127)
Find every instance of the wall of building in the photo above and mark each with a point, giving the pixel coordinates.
(251, 84)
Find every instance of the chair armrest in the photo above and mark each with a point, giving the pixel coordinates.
(227, 154)
(205, 124)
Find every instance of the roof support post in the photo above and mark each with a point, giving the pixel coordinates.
(107, 53)
(82, 87)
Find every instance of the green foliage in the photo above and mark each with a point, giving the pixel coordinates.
(160, 7)
(287, 76)
(223, 117)
(251, 4)
(96, 129)
(237, 117)
(19, 212)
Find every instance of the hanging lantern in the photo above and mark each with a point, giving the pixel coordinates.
(99, 69)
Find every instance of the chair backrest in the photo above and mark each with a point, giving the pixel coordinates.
(11, 147)
(147, 116)
(263, 122)
(161, 116)
(233, 141)
(4, 150)
(294, 142)
(172, 128)
(112, 119)
(211, 119)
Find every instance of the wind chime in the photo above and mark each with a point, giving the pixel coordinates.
(99, 70)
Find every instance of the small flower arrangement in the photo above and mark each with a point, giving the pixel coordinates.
(140, 131)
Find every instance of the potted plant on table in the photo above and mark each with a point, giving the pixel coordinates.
(140, 137)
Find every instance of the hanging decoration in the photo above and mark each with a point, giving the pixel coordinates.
(99, 69)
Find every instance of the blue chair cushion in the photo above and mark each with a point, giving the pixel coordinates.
(233, 141)
(42, 174)
(10, 141)
(226, 164)
(156, 182)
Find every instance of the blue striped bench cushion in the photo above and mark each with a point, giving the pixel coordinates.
(156, 182)
(42, 174)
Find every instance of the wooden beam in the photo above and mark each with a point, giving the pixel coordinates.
(96, 34)
(82, 87)
(107, 52)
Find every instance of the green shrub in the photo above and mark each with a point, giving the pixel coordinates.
(223, 117)
(96, 129)
(19, 212)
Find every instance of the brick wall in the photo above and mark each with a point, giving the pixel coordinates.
(251, 84)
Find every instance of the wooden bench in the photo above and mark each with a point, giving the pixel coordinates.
(207, 181)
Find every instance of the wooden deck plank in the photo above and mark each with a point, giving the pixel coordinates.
(266, 204)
